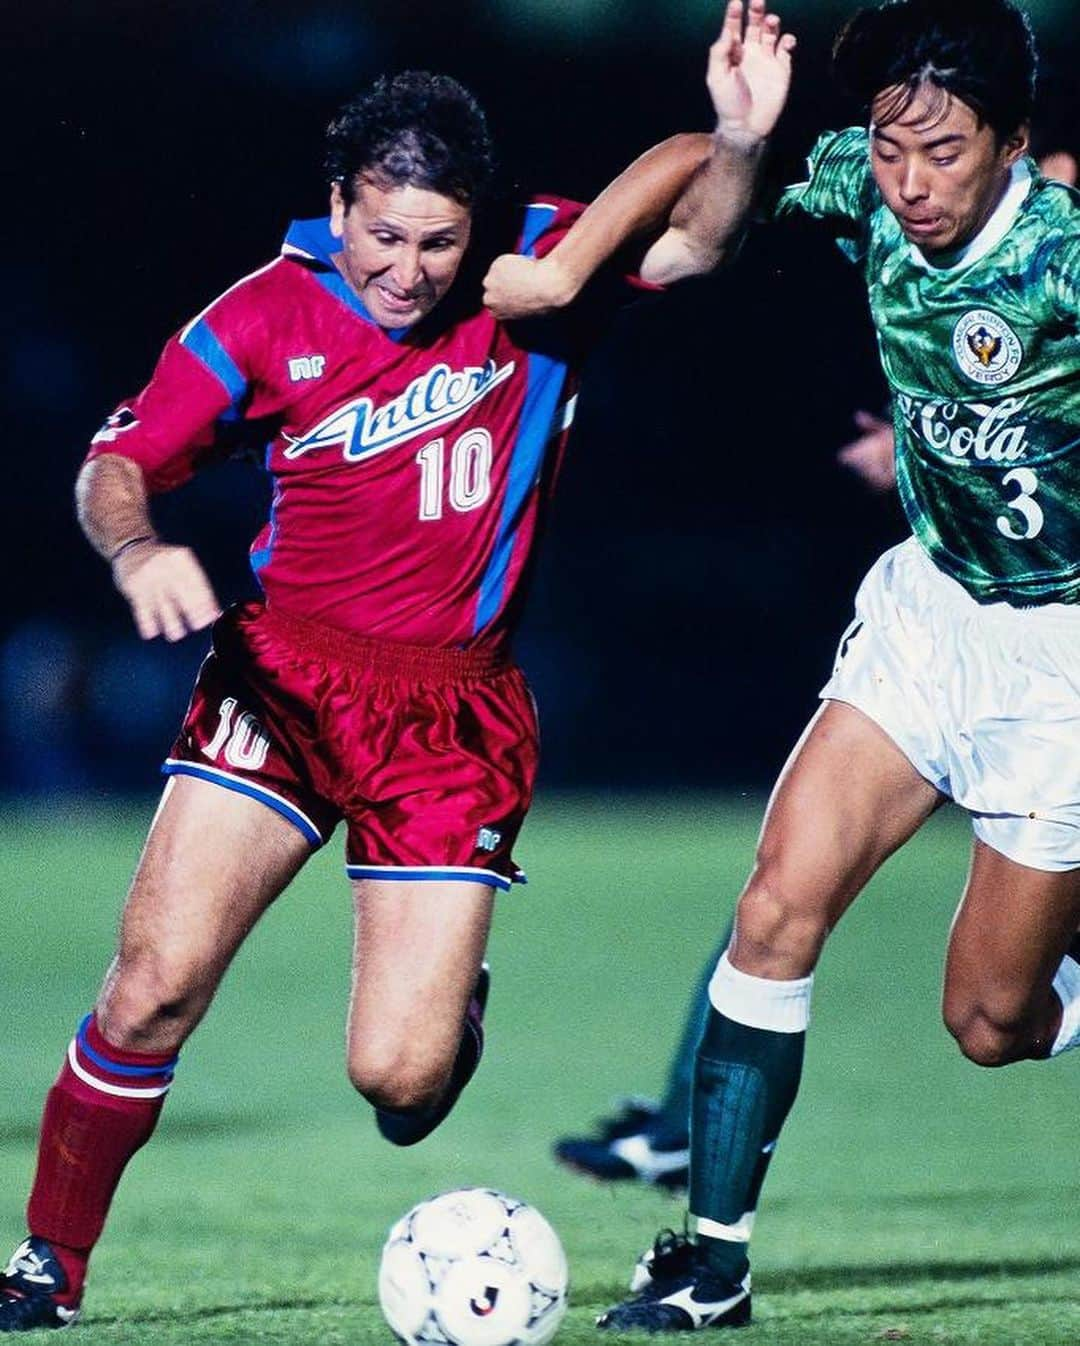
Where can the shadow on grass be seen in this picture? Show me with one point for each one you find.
(901, 1279)
(212, 1311)
(988, 1274)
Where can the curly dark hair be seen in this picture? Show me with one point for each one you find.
(980, 51)
(413, 129)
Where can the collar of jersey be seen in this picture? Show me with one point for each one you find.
(313, 241)
(993, 231)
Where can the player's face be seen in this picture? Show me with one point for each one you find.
(401, 248)
(939, 169)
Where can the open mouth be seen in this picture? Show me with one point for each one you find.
(395, 302)
(922, 226)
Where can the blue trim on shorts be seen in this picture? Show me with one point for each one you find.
(114, 1067)
(395, 873)
(216, 776)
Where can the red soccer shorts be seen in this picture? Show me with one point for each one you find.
(428, 754)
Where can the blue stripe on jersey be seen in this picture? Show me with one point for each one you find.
(394, 873)
(258, 560)
(339, 287)
(544, 384)
(217, 777)
(544, 381)
(204, 345)
(313, 239)
(537, 218)
(114, 1067)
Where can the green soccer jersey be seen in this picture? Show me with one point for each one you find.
(983, 361)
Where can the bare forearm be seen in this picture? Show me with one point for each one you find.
(748, 77)
(165, 586)
(111, 502)
(710, 214)
(637, 202)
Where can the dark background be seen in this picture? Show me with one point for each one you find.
(705, 547)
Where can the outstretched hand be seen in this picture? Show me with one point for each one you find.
(749, 70)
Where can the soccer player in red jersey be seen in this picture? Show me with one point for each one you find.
(415, 440)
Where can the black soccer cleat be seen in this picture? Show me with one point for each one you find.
(30, 1287)
(633, 1145)
(676, 1292)
(410, 1128)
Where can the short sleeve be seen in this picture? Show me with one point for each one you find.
(839, 189)
(201, 385)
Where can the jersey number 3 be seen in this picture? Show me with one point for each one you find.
(1026, 483)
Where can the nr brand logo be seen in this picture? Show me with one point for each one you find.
(306, 367)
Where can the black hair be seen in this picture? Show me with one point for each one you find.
(412, 130)
(979, 51)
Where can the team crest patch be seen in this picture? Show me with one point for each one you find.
(986, 347)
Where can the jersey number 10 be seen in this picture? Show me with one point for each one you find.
(469, 483)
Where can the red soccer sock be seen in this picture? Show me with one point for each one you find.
(102, 1108)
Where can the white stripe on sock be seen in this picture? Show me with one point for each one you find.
(730, 1233)
(760, 1002)
(117, 1090)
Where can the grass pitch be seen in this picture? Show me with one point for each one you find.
(913, 1197)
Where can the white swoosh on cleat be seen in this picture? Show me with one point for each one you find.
(650, 1163)
(702, 1313)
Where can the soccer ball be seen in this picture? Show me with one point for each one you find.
(473, 1268)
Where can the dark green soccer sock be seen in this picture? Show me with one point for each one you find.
(746, 1079)
(673, 1120)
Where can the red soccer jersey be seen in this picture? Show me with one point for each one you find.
(409, 467)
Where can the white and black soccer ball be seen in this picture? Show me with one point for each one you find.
(473, 1268)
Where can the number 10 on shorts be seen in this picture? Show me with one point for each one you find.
(242, 736)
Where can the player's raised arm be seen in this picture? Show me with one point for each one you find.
(748, 78)
(637, 202)
(165, 586)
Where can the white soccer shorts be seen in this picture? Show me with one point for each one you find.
(983, 700)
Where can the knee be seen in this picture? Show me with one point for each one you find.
(989, 1033)
(394, 1078)
(779, 927)
(151, 1002)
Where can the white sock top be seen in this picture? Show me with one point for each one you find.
(760, 1002)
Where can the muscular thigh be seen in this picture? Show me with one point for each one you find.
(214, 860)
(1011, 931)
(419, 946)
(847, 798)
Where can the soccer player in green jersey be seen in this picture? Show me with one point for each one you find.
(959, 677)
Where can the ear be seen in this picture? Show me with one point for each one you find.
(338, 209)
(1017, 145)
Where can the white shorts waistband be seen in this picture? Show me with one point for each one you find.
(951, 594)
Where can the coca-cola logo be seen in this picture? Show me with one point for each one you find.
(987, 433)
